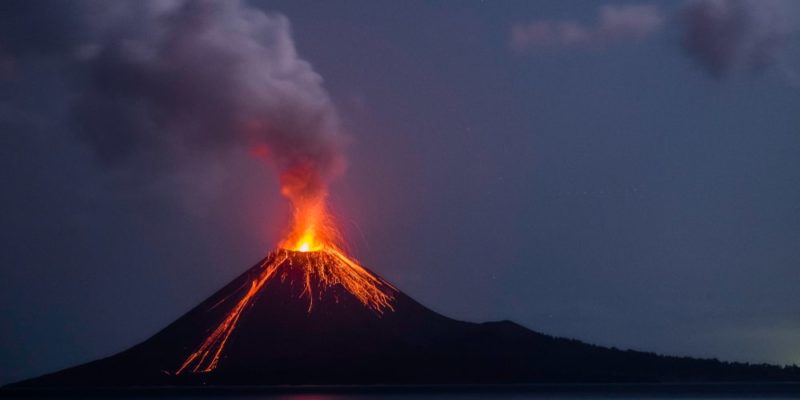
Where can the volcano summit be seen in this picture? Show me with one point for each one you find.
(317, 317)
(308, 314)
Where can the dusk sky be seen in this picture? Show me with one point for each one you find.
(624, 173)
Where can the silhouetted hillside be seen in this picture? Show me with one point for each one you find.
(300, 330)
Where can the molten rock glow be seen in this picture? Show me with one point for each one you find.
(312, 229)
(310, 248)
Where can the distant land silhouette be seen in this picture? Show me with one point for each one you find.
(303, 327)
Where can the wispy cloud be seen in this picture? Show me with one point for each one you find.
(615, 24)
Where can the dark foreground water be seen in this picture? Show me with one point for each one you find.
(554, 392)
(437, 396)
(462, 396)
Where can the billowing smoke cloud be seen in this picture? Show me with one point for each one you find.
(725, 36)
(160, 80)
(614, 25)
(203, 76)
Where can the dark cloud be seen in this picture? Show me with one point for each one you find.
(615, 24)
(725, 36)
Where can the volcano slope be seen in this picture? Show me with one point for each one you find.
(294, 319)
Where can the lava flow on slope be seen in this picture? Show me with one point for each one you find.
(319, 263)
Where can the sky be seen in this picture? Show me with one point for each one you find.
(624, 173)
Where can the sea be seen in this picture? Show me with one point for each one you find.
(565, 392)
(468, 396)
(438, 396)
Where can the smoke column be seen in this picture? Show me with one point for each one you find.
(159, 81)
(204, 76)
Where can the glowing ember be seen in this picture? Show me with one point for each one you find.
(311, 247)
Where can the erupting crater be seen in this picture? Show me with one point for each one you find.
(311, 266)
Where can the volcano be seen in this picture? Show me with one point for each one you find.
(316, 317)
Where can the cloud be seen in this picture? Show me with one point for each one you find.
(614, 25)
(725, 36)
(161, 81)
(204, 76)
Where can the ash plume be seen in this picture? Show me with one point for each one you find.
(726, 36)
(615, 24)
(205, 75)
(158, 81)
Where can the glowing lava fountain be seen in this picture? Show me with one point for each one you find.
(311, 248)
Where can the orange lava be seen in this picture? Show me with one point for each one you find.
(312, 228)
(323, 263)
(314, 232)
(206, 357)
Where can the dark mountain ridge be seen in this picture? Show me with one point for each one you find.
(304, 328)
